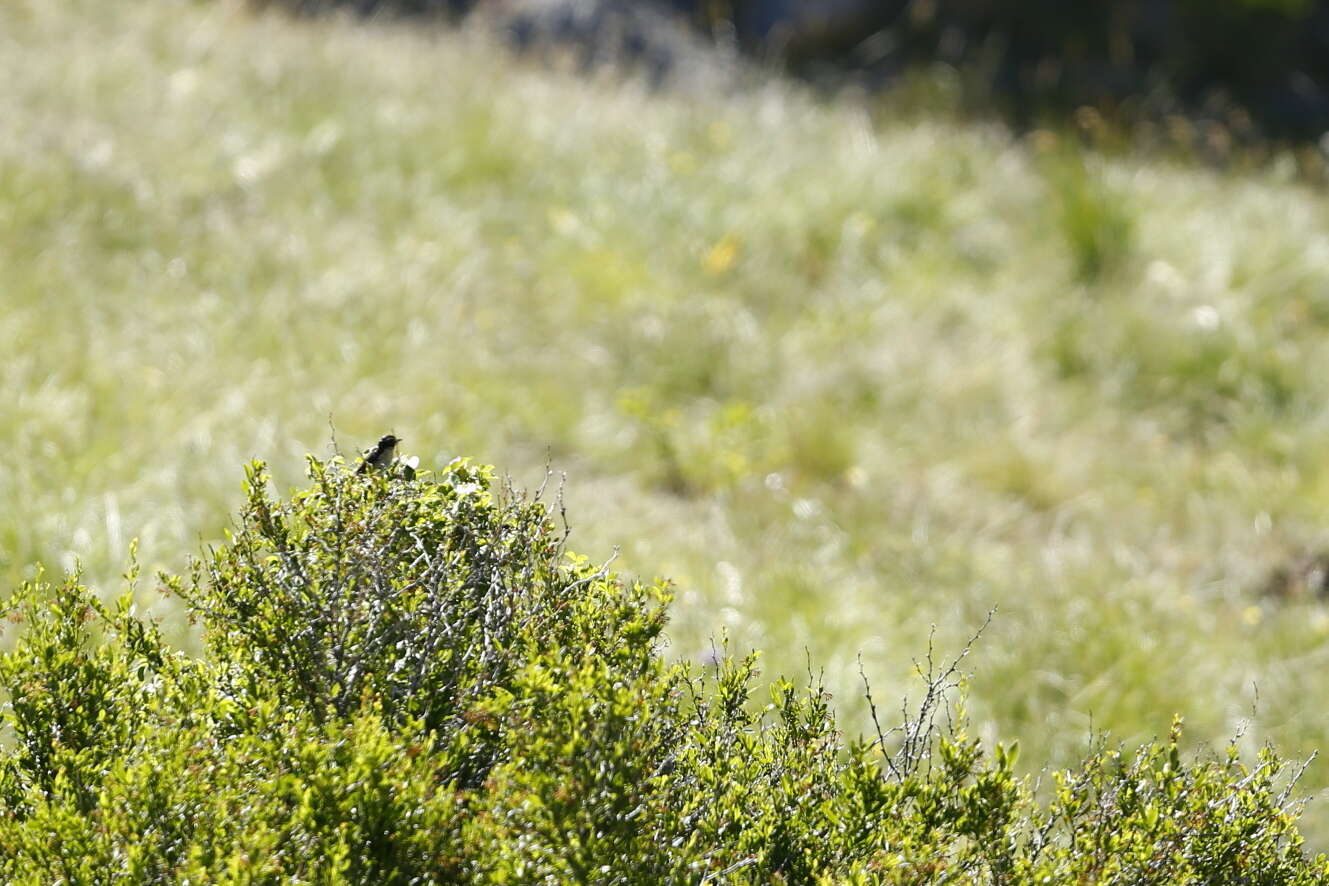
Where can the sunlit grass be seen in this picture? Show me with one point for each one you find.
(842, 378)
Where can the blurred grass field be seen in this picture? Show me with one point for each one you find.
(842, 375)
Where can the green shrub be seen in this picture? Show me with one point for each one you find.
(410, 681)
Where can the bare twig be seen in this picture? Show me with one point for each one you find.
(920, 728)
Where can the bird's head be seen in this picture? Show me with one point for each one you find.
(387, 441)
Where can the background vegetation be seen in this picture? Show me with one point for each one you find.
(1244, 70)
(1243, 67)
(841, 373)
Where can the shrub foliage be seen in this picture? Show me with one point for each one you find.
(411, 681)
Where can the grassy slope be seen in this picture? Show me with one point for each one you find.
(841, 379)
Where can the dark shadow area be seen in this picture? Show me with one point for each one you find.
(1257, 69)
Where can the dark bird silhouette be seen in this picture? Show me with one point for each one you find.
(380, 456)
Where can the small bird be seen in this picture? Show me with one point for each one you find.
(380, 456)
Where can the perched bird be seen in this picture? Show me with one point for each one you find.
(380, 456)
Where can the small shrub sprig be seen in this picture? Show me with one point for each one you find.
(411, 681)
